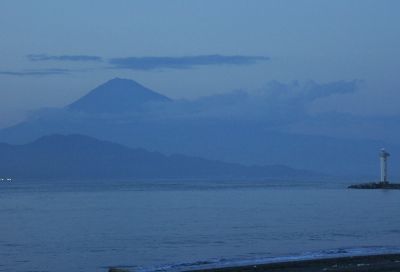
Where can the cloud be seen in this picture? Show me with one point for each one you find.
(76, 58)
(276, 104)
(186, 62)
(142, 63)
(307, 91)
(39, 72)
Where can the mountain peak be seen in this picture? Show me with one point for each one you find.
(121, 82)
(117, 96)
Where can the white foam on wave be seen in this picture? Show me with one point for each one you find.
(322, 254)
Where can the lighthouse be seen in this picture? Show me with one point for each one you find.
(383, 157)
(384, 183)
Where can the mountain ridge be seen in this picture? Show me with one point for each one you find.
(79, 156)
(172, 126)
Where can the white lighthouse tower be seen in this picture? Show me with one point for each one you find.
(383, 156)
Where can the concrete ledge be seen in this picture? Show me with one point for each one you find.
(376, 185)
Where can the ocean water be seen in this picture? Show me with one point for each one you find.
(183, 225)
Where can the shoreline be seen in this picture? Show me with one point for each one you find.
(365, 263)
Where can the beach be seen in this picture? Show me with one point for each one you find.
(370, 263)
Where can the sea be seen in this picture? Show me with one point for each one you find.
(180, 225)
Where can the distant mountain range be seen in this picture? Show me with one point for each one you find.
(217, 128)
(80, 157)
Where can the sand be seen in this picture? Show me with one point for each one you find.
(371, 263)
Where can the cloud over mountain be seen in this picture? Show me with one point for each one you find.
(76, 58)
(185, 62)
(36, 72)
(276, 103)
(148, 63)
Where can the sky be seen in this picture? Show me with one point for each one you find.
(53, 52)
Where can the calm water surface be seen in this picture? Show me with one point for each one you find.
(145, 226)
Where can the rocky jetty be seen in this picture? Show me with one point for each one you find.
(114, 269)
(376, 185)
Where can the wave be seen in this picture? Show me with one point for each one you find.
(306, 256)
